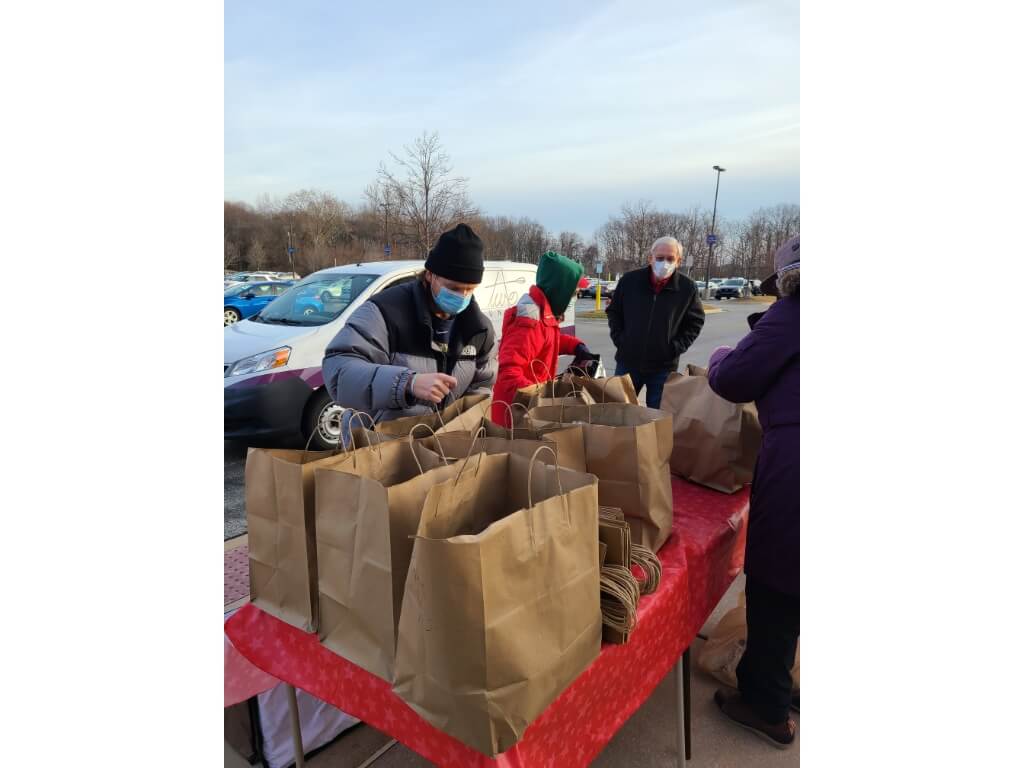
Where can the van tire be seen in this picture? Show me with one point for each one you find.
(318, 403)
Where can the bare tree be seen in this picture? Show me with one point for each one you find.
(429, 198)
(232, 257)
(382, 201)
(570, 244)
(319, 218)
(257, 255)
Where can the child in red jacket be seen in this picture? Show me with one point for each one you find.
(531, 340)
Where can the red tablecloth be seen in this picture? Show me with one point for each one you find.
(699, 562)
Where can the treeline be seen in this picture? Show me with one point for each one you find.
(744, 247)
(416, 197)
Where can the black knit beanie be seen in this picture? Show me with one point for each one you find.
(458, 255)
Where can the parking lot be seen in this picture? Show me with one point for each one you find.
(725, 327)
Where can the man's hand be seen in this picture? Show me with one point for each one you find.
(432, 387)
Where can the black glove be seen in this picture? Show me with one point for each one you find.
(583, 353)
(585, 361)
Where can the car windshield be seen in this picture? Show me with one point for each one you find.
(316, 301)
(737, 283)
(236, 290)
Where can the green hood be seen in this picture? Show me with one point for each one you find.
(558, 277)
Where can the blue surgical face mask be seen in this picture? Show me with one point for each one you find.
(450, 302)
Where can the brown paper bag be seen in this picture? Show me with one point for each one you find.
(501, 608)
(279, 510)
(459, 416)
(569, 439)
(552, 392)
(367, 508)
(714, 442)
(722, 651)
(614, 534)
(628, 448)
(456, 445)
(612, 389)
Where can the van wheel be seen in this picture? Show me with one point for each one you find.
(322, 421)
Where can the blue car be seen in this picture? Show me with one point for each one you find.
(246, 299)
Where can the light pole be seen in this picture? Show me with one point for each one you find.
(711, 241)
(291, 257)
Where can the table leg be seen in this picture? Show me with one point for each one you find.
(681, 730)
(687, 701)
(293, 708)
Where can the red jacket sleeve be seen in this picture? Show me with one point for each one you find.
(567, 344)
(520, 342)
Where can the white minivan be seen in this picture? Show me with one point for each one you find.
(273, 382)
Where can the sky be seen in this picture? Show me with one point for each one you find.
(559, 111)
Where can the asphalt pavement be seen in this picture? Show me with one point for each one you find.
(723, 328)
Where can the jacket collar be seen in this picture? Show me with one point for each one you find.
(545, 308)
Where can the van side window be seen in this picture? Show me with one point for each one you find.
(399, 281)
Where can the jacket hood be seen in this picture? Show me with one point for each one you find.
(558, 277)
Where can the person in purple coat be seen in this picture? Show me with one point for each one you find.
(765, 368)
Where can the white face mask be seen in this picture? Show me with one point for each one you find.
(663, 269)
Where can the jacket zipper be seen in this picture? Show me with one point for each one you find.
(650, 319)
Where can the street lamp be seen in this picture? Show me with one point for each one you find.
(711, 239)
(291, 251)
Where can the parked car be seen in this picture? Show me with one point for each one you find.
(273, 383)
(246, 299)
(755, 287)
(608, 288)
(587, 291)
(250, 277)
(731, 288)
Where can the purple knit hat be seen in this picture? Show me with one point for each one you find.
(787, 257)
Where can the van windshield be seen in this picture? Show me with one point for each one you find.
(315, 301)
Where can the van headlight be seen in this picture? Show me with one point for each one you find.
(264, 361)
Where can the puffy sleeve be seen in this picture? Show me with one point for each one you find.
(745, 373)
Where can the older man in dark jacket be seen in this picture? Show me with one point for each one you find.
(654, 317)
(765, 367)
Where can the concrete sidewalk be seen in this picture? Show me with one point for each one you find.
(647, 739)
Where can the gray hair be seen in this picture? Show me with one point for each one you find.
(668, 240)
(789, 283)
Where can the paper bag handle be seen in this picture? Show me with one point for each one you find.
(479, 431)
(511, 417)
(533, 370)
(437, 412)
(412, 447)
(340, 447)
(362, 423)
(582, 374)
(558, 477)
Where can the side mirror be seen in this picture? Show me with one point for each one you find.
(249, 295)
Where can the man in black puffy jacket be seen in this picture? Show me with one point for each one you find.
(654, 317)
